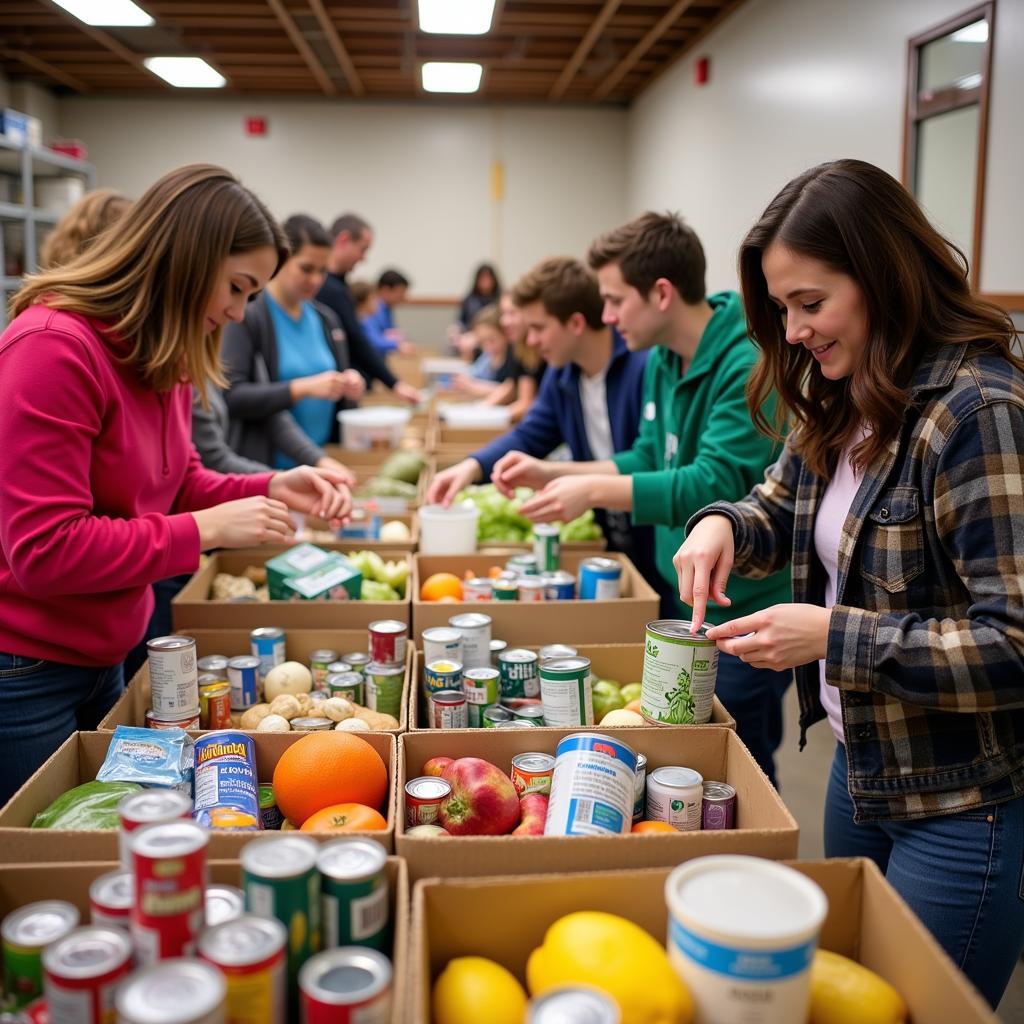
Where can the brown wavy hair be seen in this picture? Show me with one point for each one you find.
(151, 280)
(78, 228)
(859, 221)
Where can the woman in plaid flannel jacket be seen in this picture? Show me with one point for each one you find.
(904, 394)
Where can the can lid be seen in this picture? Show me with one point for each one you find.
(441, 634)
(170, 643)
(534, 762)
(444, 666)
(577, 1003)
(378, 668)
(470, 620)
(247, 939)
(171, 991)
(388, 626)
(40, 923)
(273, 632)
(279, 856)
(245, 661)
(498, 645)
(154, 805)
(177, 716)
(168, 839)
(569, 666)
(448, 697)
(345, 976)
(223, 903)
(356, 658)
(428, 787)
(676, 776)
(602, 564)
(114, 891)
(718, 791)
(518, 654)
(324, 654)
(87, 952)
(312, 722)
(680, 628)
(212, 661)
(484, 672)
(351, 859)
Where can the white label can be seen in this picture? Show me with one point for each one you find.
(566, 693)
(676, 796)
(442, 643)
(173, 677)
(476, 638)
(678, 684)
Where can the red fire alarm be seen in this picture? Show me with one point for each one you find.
(256, 126)
(701, 71)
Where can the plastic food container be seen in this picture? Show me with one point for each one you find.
(475, 416)
(448, 531)
(742, 934)
(376, 426)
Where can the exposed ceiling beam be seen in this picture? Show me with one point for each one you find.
(625, 65)
(305, 50)
(103, 38)
(586, 45)
(46, 68)
(341, 55)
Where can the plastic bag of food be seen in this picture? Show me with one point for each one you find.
(90, 805)
(159, 758)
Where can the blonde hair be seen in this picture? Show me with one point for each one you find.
(78, 228)
(150, 281)
(489, 316)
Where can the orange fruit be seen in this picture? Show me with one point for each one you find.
(494, 572)
(344, 818)
(441, 584)
(326, 768)
(646, 827)
(634, 705)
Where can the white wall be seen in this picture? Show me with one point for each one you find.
(419, 173)
(797, 82)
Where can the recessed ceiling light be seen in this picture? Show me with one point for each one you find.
(454, 76)
(977, 32)
(186, 72)
(456, 17)
(107, 12)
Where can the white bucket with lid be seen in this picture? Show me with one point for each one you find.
(742, 933)
(373, 427)
(448, 531)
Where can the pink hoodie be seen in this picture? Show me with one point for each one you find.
(97, 478)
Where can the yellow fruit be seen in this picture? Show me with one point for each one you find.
(617, 956)
(844, 992)
(472, 989)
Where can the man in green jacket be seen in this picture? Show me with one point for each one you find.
(696, 443)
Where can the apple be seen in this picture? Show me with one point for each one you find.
(426, 830)
(630, 692)
(483, 801)
(534, 811)
(621, 717)
(437, 765)
(607, 697)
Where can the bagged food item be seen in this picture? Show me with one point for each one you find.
(160, 758)
(90, 805)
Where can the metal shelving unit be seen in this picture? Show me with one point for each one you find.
(31, 162)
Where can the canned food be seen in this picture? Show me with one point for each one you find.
(215, 706)
(592, 787)
(640, 801)
(423, 799)
(346, 984)
(388, 641)
(495, 716)
(197, 992)
(82, 971)
(110, 900)
(215, 665)
(531, 773)
(268, 644)
(482, 687)
(680, 668)
(523, 565)
(226, 786)
(223, 903)
(718, 806)
(384, 685)
(506, 588)
(319, 662)
(497, 647)
(149, 807)
(350, 685)
(549, 651)
(530, 589)
(575, 1005)
(442, 643)
(357, 661)
(559, 586)
(517, 723)
(448, 710)
(173, 679)
(26, 933)
(547, 548)
(600, 579)
(479, 588)
(441, 675)
(243, 675)
(250, 952)
(338, 666)
(475, 628)
(308, 723)
(518, 668)
(566, 692)
(675, 795)
(169, 864)
(356, 907)
(188, 722)
(533, 714)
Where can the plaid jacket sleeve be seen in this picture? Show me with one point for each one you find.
(973, 663)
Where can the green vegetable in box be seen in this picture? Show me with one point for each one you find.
(500, 521)
(91, 805)
(382, 487)
(403, 465)
(386, 581)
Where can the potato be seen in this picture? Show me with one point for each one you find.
(288, 677)
(337, 709)
(252, 717)
(274, 723)
(304, 703)
(286, 706)
(621, 717)
(376, 719)
(353, 725)
(225, 587)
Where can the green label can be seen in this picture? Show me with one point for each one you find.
(532, 714)
(518, 668)
(26, 933)
(680, 668)
(357, 661)
(384, 685)
(482, 687)
(495, 716)
(271, 817)
(565, 692)
(506, 588)
(356, 906)
(349, 685)
(547, 548)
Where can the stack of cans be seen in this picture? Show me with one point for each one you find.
(174, 683)
(384, 676)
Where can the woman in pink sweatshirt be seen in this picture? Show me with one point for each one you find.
(101, 490)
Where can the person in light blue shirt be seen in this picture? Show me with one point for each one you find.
(376, 309)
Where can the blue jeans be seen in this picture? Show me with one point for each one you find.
(41, 704)
(962, 874)
(753, 696)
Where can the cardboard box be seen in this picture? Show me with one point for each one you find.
(192, 608)
(21, 884)
(867, 921)
(546, 622)
(622, 662)
(764, 826)
(366, 464)
(133, 704)
(319, 532)
(78, 760)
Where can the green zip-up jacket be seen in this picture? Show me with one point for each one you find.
(697, 445)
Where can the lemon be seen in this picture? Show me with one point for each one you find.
(845, 992)
(473, 989)
(617, 956)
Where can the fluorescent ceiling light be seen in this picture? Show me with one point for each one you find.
(456, 17)
(974, 33)
(456, 76)
(186, 72)
(107, 12)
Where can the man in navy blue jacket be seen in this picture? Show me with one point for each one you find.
(589, 399)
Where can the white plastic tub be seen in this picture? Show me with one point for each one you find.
(448, 531)
(475, 416)
(375, 426)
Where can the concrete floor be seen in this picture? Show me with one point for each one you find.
(802, 777)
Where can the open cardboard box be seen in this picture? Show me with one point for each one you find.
(866, 921)
(622, 662)
(193, 608)
(764, 826)
(366, 464)
(545, 622)
(78, 760)
(136, 700)
(319, 532)
(21, 884)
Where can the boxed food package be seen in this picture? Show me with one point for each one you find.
(299, 560)
(337, 580)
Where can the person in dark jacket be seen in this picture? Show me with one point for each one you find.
(486, 291)
(289, 354)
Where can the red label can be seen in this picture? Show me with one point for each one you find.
(215, 706)
(423, 798)
(348, 985)
(387, 641)
(531, 773)
(81, 972)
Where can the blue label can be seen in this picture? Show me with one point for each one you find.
(600, 579)
(244, 677)
(267, 644)
(442, 675)
(227, 793)
(558, 586)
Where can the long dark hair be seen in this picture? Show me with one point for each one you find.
(859, 221)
